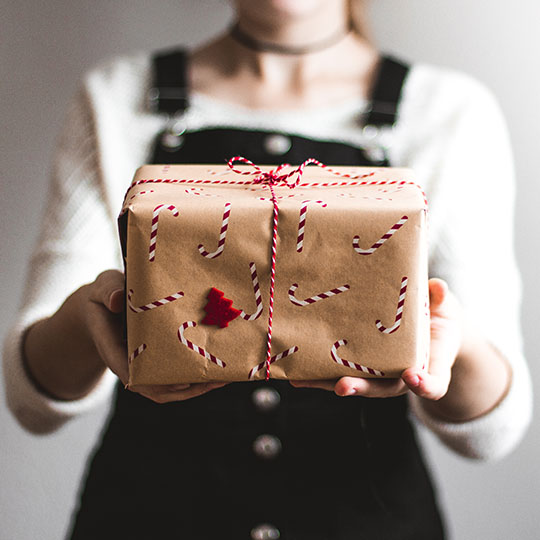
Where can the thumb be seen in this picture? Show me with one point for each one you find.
(438, 292)
(108, 289)
(116, 300)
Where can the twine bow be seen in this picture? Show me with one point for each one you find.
(270, 179)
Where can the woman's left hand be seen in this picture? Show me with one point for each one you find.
(431, 383)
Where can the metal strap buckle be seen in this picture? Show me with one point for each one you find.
(167, 96)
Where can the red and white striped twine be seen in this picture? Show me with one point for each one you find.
(381, 240)
(345, 183)
(399, 312)
(136, 352)
(317, 297)
(346, 363)
(302, 222)
(257, 291)
(153, 232)
(272, 281)
(196, 348)
(351, 179)
(154, 304)
(262, 177)
(274, 358)
(222, 235)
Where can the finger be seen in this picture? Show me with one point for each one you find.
(376, 388)
(445, 341)
(355, 386)
(117, 300)
(177, 387)
(165, 395)
(438, 291)
(442, 303)
(433, 382)
(322, 384)
(106, 332)
(159, 388)
(426, 385)
(108, 289)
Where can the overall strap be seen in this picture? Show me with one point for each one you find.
(387, 92)
(170, 91)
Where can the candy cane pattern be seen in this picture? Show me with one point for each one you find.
(222, 235)
(136, 352)
(196, 348)
(218, 173)
(317, 297)
(195, 191)
(399, 312)
(257, 291)
(381, 240)
(152, 305)
(125, 208)
(153, 232)
(302, 222)
(346, 363)
(281, 197)
(351, 196)
(391, 191)
(274, 358)
(140, 193)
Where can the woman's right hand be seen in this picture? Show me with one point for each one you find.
(105, 305)
(66, 354)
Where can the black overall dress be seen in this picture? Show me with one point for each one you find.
(259, 460)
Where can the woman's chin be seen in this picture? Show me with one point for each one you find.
(291, 8)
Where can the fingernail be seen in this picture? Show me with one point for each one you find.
(414, 380)
(351, 392)
(178, 387)
(116, 291)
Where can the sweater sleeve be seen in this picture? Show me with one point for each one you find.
(77, 241)
(472, 233)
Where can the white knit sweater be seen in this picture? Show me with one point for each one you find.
(450, 131)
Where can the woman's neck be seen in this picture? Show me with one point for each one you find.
(292, 25)
(230, 70)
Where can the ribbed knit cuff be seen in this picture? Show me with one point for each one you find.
(36, 411)
(494, 434)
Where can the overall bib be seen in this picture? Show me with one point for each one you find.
(259, 460)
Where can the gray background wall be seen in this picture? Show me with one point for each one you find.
(46, 46)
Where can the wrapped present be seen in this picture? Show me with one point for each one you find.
(236, 273)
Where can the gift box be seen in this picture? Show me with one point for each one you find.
(345, 267)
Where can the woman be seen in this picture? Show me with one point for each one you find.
(266, 460)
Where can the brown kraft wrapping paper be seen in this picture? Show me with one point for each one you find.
(360, 275)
